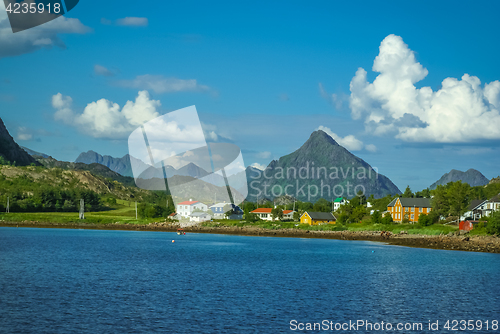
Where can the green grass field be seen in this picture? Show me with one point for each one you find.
(121, 212)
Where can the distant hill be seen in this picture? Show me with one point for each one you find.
(94, 168)
(471, 176)
(11, 151)
(123, 165)
(319, 151)
(120, 165)
(35, 153)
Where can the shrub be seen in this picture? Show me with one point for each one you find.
(493, 226)
(424, 220)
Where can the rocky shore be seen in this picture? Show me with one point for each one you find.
(453, 241)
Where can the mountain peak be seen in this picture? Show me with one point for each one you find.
(11, 151)
(320, 135)
(472, 176)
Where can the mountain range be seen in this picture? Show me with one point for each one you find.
(123, 165)
(472, 177)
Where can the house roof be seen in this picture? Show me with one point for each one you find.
(172, 214)
(285, 212)
(409, 201)
(187, 203)
(475, 203)
(495, 198)
(198, 214)
(338, 199)
(321, 215)
(217, 205)
(262, 210)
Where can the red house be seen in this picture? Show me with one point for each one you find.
(467, 225)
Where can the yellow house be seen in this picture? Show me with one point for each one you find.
(315, 218)
(410, 208)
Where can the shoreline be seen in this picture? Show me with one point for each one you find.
(486, 244)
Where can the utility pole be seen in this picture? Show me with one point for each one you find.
(82, 209)
(7, 209)
(135, 210)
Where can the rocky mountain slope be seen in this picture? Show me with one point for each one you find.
(11, 151)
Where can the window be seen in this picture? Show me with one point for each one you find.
(413, 209)
(412, 217)
(406, 209)
(420, 210)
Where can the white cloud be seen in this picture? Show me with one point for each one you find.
(105, 119)
(461, 111)
(101, 70)
(132, 21)
(42, 36)
(371, 148)
(350, 142)
(258, 166)
(23, 133)
(264, 155)
(160, 84)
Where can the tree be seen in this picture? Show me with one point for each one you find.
(362, 197)
(296, 216)
(277, 213)
(458, 197)
(342, 219)
(493, 226)
(408, 193)
(424, 220)
(434, 217)
(440, 201)
(387, 219)
(376, 217)
(322, 205)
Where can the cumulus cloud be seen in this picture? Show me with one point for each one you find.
(101, 70)
(42, 36)
(160, 84)
(350, 142)
(460, 111)
(258, 166)
(133, 21)
(105, 119)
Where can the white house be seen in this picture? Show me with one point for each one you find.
(186, 208)
(482, 208)
(264, 213)
(288, 214)
(338, 202)
(199, 217)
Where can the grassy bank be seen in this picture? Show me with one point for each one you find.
(123, 212)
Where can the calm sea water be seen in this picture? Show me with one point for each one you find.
(86, 281)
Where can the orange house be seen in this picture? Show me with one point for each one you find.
(410, 208)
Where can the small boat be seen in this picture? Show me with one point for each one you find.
(180, 231)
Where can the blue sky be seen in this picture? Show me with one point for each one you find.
(263, 75)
